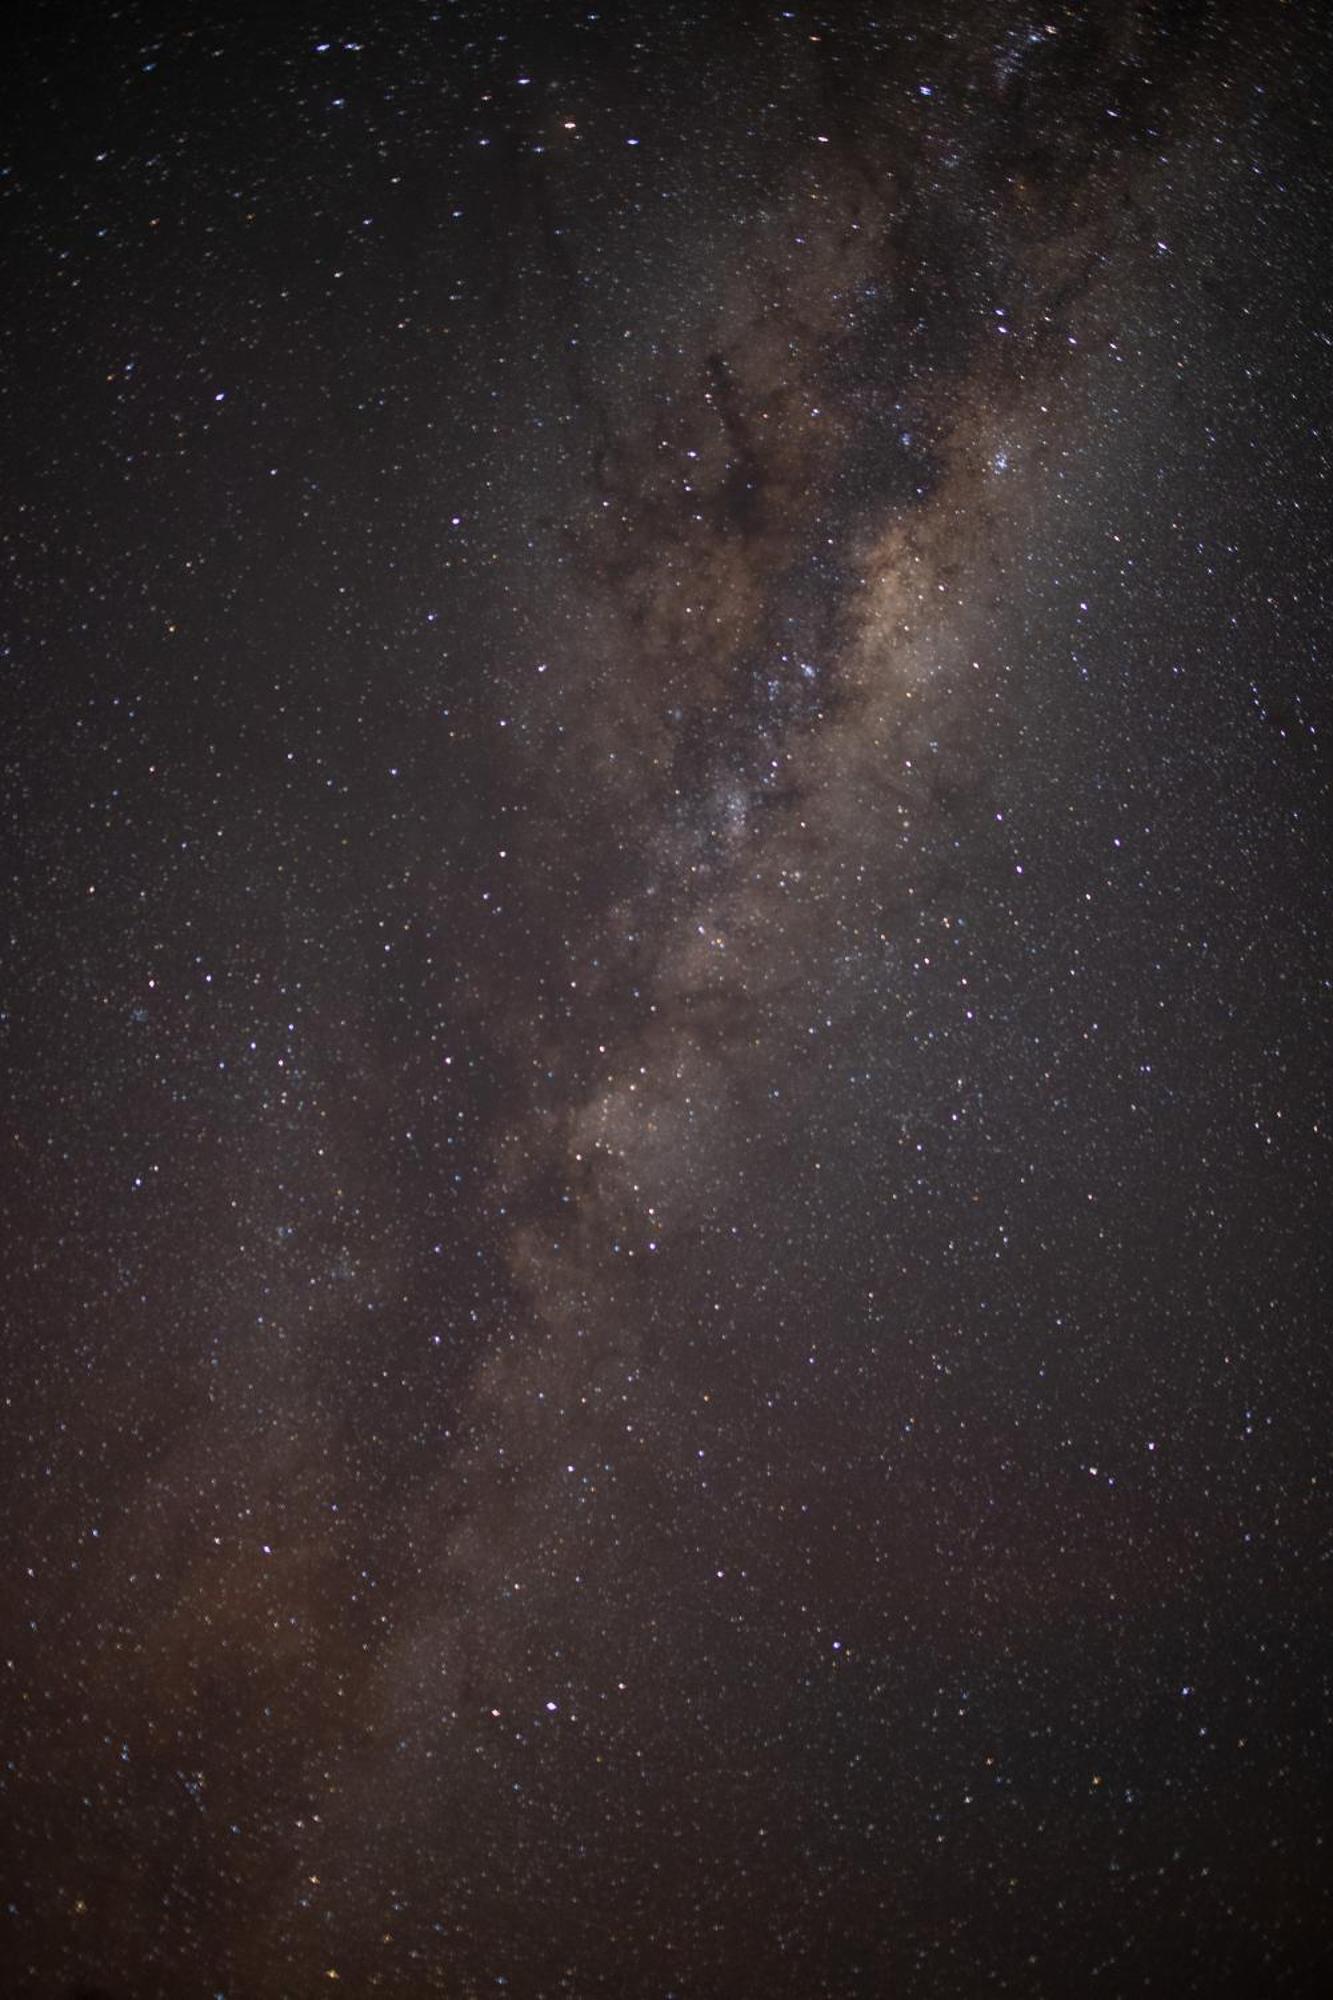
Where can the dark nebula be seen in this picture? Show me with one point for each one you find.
(666, 1009)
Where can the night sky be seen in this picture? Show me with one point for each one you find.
(665, 1001)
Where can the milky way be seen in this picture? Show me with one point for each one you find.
(665, 1005)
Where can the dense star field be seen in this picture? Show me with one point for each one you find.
(666, 1001)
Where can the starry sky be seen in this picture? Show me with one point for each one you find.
(665, 1001)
